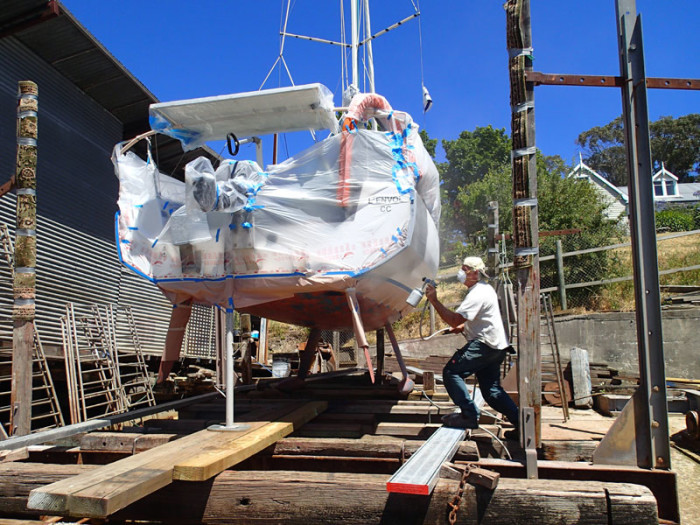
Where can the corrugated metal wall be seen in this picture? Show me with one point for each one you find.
(76, 203)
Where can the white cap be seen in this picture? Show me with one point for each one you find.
(475, 263)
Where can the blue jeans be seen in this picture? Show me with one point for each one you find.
(478, 358)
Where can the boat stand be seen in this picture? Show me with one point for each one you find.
(229, 425)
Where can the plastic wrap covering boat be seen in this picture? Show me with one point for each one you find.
(345, 229)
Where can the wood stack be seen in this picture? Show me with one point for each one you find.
(318, 455)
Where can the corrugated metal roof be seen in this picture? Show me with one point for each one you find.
(48, 29)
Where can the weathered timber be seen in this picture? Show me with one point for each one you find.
(661, 483)
(128, 442)
(375, 447)
(24, 285)
(581, 378)
(14, 455)
(525, 209)
(245, 497)
(112, 487)
(18, 479)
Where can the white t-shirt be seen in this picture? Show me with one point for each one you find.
(483, 316)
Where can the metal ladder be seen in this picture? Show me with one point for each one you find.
(133, 372)
(46, 411)
(91, 372)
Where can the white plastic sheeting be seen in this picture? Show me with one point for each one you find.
(240, 236)
(256, 113)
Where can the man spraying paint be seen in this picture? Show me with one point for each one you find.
(479, 319)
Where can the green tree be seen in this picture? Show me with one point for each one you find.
(472, 156)
(604, 148)
(674, 141)
(430, 144)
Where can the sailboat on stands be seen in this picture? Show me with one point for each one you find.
(336, 236)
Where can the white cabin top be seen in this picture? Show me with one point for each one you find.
(254, 113)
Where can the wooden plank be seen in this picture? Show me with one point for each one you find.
(213, 460)
(55, 498)
(112, 487)
(116, 492)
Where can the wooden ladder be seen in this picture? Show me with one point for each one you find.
(46, 411)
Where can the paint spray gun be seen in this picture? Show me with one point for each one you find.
(417, 294)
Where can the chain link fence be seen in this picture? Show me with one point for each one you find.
(600, 278)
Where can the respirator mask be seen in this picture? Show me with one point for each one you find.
(462, 276)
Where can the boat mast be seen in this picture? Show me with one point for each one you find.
(355, 42)
(370, 56)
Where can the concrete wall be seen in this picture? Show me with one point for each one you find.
(610, 338)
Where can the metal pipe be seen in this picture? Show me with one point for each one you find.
(229, 368)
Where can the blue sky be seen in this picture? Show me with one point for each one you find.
(183, 49)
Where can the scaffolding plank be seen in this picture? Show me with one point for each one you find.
(420, 473)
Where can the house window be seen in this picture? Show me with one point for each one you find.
(671, 187)
(658, 188)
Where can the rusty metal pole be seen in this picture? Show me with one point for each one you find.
(25, 260)
(525, 224)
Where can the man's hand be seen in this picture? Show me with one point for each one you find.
(430, 293)
(457, 329)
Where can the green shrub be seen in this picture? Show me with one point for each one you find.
(675, 220)
(696, 218)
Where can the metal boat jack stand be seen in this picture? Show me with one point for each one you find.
(359, 329)
(406, 385)
(229, 426)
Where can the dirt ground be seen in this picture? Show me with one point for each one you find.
(686, 464)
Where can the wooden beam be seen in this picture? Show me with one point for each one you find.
(108, 489)
(525, 209)
(225, 453)
(352, 499)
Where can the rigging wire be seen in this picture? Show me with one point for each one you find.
(416, 7)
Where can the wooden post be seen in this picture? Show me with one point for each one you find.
(560, 275)
(525, 223)
(492, 259)
(25, 260)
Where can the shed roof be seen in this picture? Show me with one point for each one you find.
(49, 30)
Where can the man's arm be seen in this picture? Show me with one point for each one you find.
(451, 318)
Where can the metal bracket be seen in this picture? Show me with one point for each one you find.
(527, 416)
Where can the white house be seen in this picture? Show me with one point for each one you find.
(667, 190)
(617, 200)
